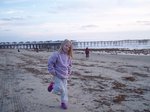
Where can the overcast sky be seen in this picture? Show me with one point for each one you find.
(81, 20)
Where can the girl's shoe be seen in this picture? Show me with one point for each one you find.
(50, 87)
(64, 106)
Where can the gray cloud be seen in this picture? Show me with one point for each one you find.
(89, 26)
(13, 1)
(12, 19)
(143, 22)
(7, 30)
(71, 6)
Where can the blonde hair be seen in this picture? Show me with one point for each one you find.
(70, 52)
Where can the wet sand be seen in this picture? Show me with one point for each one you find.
(102, 83)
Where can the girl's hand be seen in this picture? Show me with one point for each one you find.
(53, 73)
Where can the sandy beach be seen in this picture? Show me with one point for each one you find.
(102, 83)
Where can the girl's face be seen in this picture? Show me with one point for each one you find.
(66, 47)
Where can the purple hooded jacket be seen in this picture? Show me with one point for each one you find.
(59, 64)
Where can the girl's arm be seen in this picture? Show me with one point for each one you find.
(70, 67)
(51, 63)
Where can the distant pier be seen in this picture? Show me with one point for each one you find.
(123, 44)
(30, 45)
(129, 44)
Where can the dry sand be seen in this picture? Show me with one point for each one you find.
(102, 83)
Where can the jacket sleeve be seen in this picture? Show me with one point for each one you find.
(70, 67)
(51, 63)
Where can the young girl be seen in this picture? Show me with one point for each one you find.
(59, 65)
